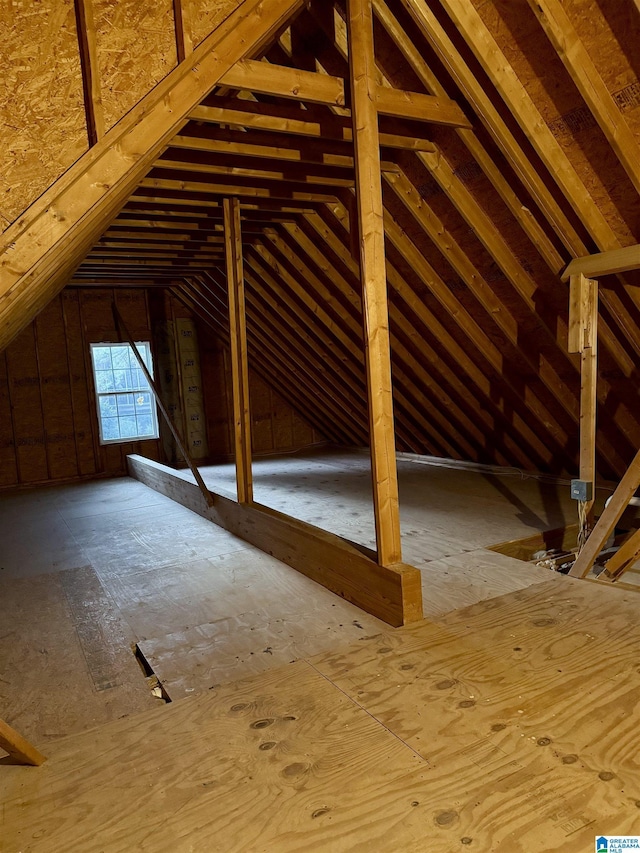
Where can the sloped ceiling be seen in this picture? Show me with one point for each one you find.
(480, 222)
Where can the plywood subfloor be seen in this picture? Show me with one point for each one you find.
(510, 727)
(87, 571)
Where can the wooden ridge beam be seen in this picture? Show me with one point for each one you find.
(36, 251)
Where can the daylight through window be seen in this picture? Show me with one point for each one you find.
(126, 407)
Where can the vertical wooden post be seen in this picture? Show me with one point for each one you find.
(238, 340)
(374, 280)
(583, 338)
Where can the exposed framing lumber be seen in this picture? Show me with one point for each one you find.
(392, 593)
(576, 59)
(605, 263)
(184, 45)
(87, 42)
(281, 81)
(125, 334)
(310, 123)
(19, 748)
(374, 281)
(583, 338)
(608, 520)
(624, 558)
(43, 247)
(521, 212)
(239, 356)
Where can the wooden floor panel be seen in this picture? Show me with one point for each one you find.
(510, 726)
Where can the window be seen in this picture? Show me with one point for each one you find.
(126, 407)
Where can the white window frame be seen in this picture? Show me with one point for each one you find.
(141, 388)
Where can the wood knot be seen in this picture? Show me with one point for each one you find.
(446, 818)
(261, 724)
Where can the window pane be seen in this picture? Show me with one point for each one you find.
(122, 380)
(126, 407)
(104, 381)
(145, 424)
(128, 427)
(120, 356)
(110, 429)
(108, 407)
(101, 358)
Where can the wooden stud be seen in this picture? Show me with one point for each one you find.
(184, 45)
(374, 282)
(87, 41)
(238, 340)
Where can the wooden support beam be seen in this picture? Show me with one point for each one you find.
(19, 748)
(310, 123)
(239, 357)
(41, 249)
(392, 593)
(280, 81)
(626, 555)
(184, 45)
(605, 263)
(577, 60)
(374, 281)
(310, 86)
(417, 107)
(583, 338)
(608, 520)
(124, 333)
(91, 88)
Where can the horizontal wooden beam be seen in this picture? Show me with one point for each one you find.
(417, 107)
(283, 82)
(391, 593)
(605, 263)
(312, 87)
(245, 114)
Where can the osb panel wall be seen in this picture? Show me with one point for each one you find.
(201, 16)
(275, 426)
(48, 421)
(42, 115)
(561, 106)
(42, 123)
(136, 49)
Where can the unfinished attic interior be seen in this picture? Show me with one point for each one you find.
(319, 425)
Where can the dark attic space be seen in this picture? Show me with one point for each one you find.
(319, 426)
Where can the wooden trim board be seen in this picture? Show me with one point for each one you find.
(392, 593)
